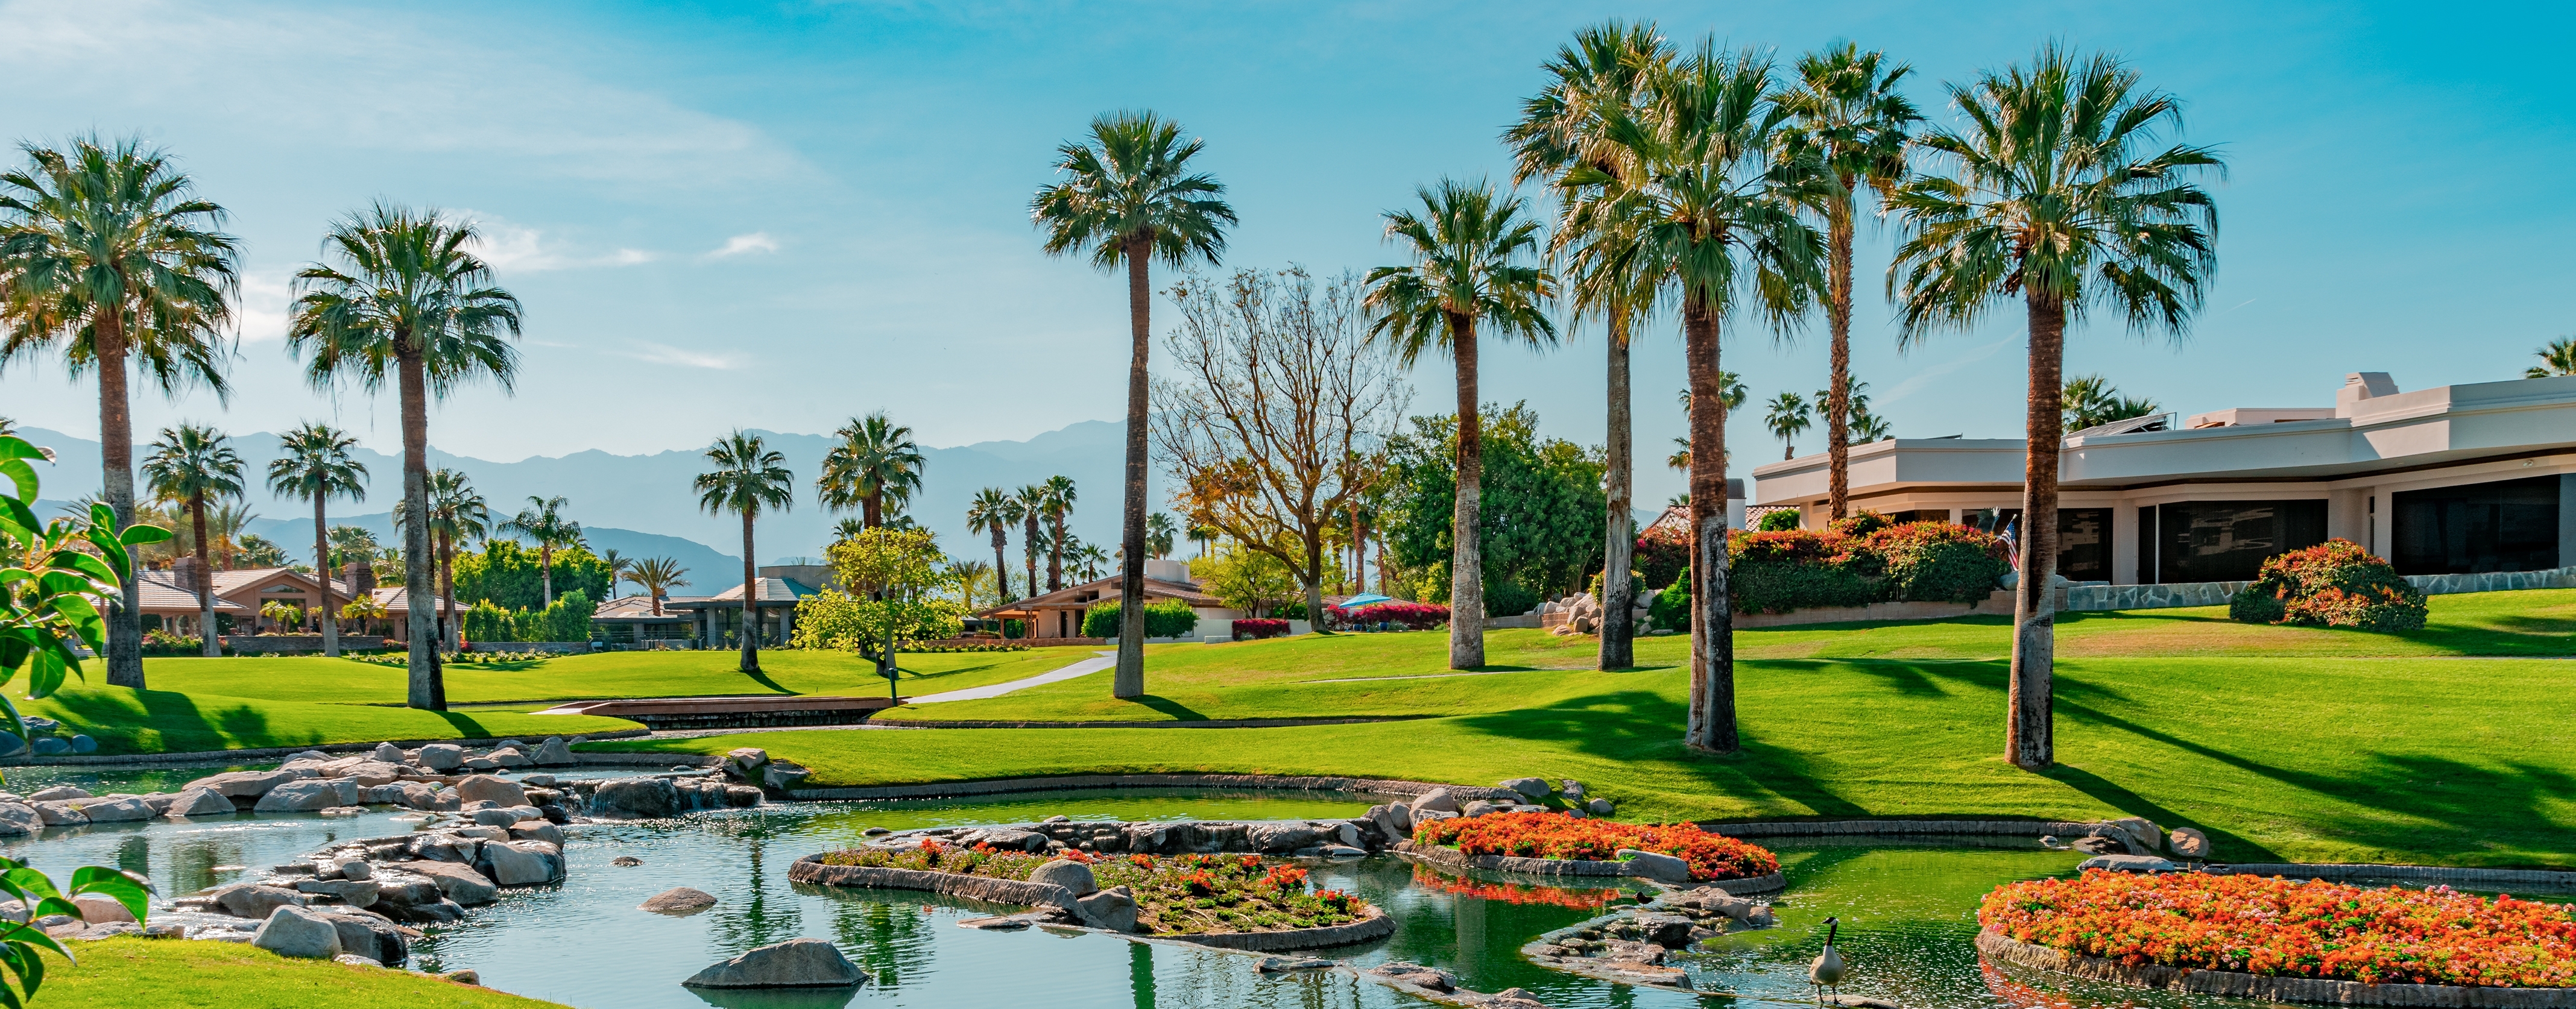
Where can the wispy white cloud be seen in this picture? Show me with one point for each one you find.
(758, 241)
(264, 301)
(658, 353)
(515, 248)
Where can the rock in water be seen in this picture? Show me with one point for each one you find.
(636, 798)
(199, 802)
(523, 863)
(18, 818)
(625, 860)
(57, 793)
(796, 963)
(294, 931)
(1113, 909)
(486, 788)
(301, 796)
(442, 757)
(1437, 800)
(1065, 873)
(100, 909)
(554, 752)
(681, 900)
(257, 901)
(458, 883)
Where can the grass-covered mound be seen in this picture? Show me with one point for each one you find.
(1558, 836)
(132, 973)
(1182, 895)
(2281, 928)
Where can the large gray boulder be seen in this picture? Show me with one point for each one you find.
(200, 802)
(245, 784)
(746, 762)
(1281, 838)
(1065, 873)
(522, 863)
(370, 936)
(458, 883)
(2188, 843)
(2129, 863)
(371, 772)
(60, 814)
(537, 830)
(57, 793)
(100, 909)
(389, 753)
(678, 901)
(554, 752)
(353, 892)
(310, 796)
(1113, 909)
(114, 808)
(1437, 800)
(796, 963)
(1535, 788)
(441, 757)
(256, 900)
(1656, 865)
(635, 799)
(486, 788)
(18, 818)
(296, 932)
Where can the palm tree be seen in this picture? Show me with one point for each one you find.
(543, 520)
(1845, 107)
(1092, 558)
(315, 463)
(2090, 401)
(994, 511)
(849, 527)
(1055, 501)
(1129, 197)
(2558, 358)
(1159, 532)
(1468, 244)
(107, 254)
(351, 544)
(617, 564)
(748, 479)
(1560, 127)
(1867, 428)
(657, 576)
(1031, 499)
(1788, 418)
(410, 303)
(2059, 194)
(193, 464)
(875, 464)
(457, 513)
(968, 572)
(1719, 199)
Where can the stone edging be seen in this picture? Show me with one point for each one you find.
(272, 752)
(810, 869)
(1453, 858)
(2409, 873)
(1216, 723)
(2274, 989)
(992, 786)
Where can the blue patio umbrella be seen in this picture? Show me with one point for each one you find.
(1363, 599)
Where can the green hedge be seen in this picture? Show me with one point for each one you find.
(1861, 560)
(1169, 618)
(567, 620)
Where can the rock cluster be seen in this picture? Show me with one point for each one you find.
(1575, 614)
(431, 778)
(47, 740)
(1630, 945)
(2137, 836)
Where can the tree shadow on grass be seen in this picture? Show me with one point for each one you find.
(1641, 726)
(178, 721)
(763, 679)
(1168, 706)
(2235, 847)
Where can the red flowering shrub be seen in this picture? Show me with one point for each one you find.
(1418, 616)
(1861, 561)
(1556, 835)
(2280, 927)
(2333, 584)
(1259, 627)
(1662, 557)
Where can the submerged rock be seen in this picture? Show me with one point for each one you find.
(678, 900)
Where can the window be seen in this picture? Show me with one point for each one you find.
(2227, 541)
(2084, 544)
(1920, 515)
(2508, 525)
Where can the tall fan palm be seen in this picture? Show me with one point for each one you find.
(1787, 418)
(1032, 498)
(1159, 531)
(543, 520)
(457, 513)
(315, 463)
(748, 479)
(1129, 197)
(1469, 245)
(849, 528)
(2557, 358)
(193, 464)
(107, 254)
(1055, 501)
(1845, 106)
(617, 564)
(1720, 200)
(2058, 194)
(406, 301)
(657, 576)
(1602, 71)
(875, 464)
(969, 573)
(995, 511)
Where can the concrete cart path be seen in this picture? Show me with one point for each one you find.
(1085, 667)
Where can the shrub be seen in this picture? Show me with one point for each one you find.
(2332, 584)
(1939, 561)
(1663, 555)
(1556, 835)
(1860, 523)
(1416, 616)
(1775, 572)
(1169, 618)
(1780, 520)
(2284, 928)
(1671, 610)
(1258, 628)
(1508, 599)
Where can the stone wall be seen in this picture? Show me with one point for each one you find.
(289, 644)
(2150, 597)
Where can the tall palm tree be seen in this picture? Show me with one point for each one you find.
(543, 520)
(1130, 196)
(107, 254)
(968, 572)
(1055, 500)
(2090, 400)
(193, 464)
(748, 479)
(1602, 70)
(405, 300)
(1787, 418)
(1092, 559)
(1469, 246)
(875, 464)
(995, 511)
(2558, 358)
(1720, 200)
(315, 463)
(657, 576)
(1159, 530)
(2058, 193)
(1032, 500)
(849, 528)
(1845, 106)
(457, 513)
(617, 564)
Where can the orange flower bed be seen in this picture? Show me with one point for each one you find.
(1556, 835)
(2278, 927)
(1514, 893)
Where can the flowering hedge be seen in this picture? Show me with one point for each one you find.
(2333, 584)
(1187, 894)
(1418, 616)
(1259, 627)
(1861, 561)
(2274, 926)
(1556, 835)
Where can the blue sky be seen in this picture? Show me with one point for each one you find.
(780, 215)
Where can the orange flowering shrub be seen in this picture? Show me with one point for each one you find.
(1513, 893)
(2333, 584)
(1556, 835)
(2274, 926)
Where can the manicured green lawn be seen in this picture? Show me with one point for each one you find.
(605, 675)
(166, 721)
(160, 973)
(2536, 622)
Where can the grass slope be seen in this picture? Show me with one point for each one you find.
(604, 675)
(167, 721)
(155, 974)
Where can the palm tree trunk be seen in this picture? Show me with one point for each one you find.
(1466, 559)
(546, 569)
(1029, 550)
(750, 600)
(1001, 568)
(428, 686)
(1129, 681)
(1055, 551)
(1712, 700)
(116, 454)
(322, 568)
(1359, 551)
(213, 645)
(1838, 306)
(872, 511)
(447, 624)
(2029, 734)
(1619, 535)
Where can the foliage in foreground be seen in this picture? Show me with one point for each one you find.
(2275, 926)
(2333, 584)
(1556, 835)
(1182, 895)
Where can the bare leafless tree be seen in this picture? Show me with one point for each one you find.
(1280, 413)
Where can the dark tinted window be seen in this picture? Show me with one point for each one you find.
(2509, 525)
(2084, 544)
(2227, 541)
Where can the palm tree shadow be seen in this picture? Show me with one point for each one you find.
(1176, 709)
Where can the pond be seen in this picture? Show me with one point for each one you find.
(1907, 913)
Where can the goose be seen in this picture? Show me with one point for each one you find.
(1827, 971)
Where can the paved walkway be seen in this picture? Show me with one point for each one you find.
(1085, 667)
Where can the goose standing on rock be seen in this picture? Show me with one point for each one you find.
(1827, 971)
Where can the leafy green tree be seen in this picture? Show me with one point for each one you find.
(875, 465)
(543, 520)
(192, 464)
(406, 301)
(748, 479)
(2056, 192)
(1253, 582)
(900, 588)
(1131, 196)
(1787, 418)
(1468, 245)
(2558, 358)
(508, 574)
(315, 462)
(1541, 507)
(995, 511)
(108, 255)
